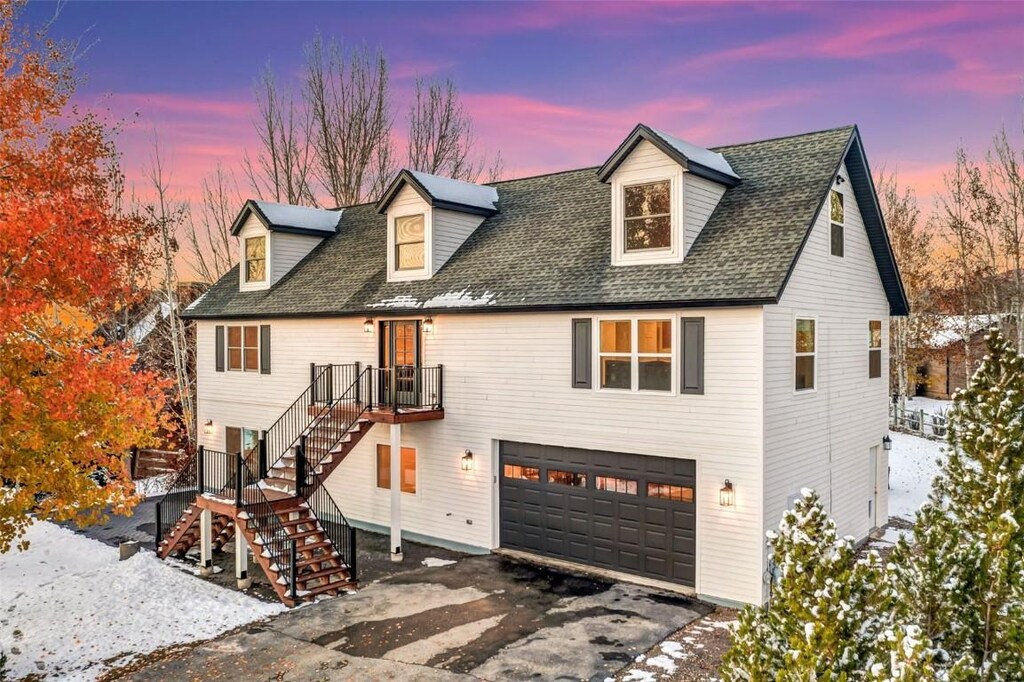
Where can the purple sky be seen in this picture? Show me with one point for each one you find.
(558, 85)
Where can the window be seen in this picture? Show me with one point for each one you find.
(615, 485)
(573, 478)
(647, 218)
(805, 354)
(409, 245)
(521, 472)
(240, 439)
(408, 475)
(664, 491)
(244, 348)
(256, 259)
(636, 354)
(874, 349)
(837, 215)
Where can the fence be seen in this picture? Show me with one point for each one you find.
(918, 422)
(147, 462)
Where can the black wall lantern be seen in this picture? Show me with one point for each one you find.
(887, 443)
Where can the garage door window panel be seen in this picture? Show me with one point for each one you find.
(664, 491)
(573, 478)
(515, 471)
(615, 485)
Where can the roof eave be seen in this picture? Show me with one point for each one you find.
(643, 132)
(405, 176)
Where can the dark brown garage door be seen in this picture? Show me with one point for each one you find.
(618, 511)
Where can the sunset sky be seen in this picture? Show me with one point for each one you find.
(558, 85)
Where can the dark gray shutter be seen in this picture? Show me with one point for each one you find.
(219, 334)
(693, 355)
(581, 355)
(264, 349)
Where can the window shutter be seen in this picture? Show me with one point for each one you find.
(692, 380)
(219, 333)
(264, 349)
(581, 353)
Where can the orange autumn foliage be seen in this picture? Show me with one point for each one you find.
(69, 405)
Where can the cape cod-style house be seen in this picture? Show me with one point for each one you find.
(633, 368)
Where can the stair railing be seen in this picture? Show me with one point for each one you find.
(179, 496)
(275, 543)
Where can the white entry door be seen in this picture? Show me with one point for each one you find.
(873, 486)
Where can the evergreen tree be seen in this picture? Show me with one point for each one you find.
(821, 622)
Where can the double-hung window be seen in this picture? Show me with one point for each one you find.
(636, 354)
(647, 216)
(409, 243)
(244, 348)
(256, 259)
(874, 349)
(806, 354)
(837, 216)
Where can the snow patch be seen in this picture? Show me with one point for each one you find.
(304, 217)
(434, 562)
(154, 485)
(457, 191)
(913, 463)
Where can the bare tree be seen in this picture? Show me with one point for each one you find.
(441, 133)
(1005, 182)
(282, 169)
(346, 92)
(212, 248)
(496, 171)
(912, 248)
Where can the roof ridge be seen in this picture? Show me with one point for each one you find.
(850, 126)
(542, 175)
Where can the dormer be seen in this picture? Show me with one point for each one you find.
(429, 218)
(273, 238)
(664, 189)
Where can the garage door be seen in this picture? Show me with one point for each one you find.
(623, 512)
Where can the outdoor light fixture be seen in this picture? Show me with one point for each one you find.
(368, 325)
(467, 461)
(887, 443)
(428, 325)
(208, 427)
(726, 494)
(840, 180)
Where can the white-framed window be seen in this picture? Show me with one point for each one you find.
(407, 476)
(874, 349)
(243, 345)
(647, 216)
(837, 222)
(410, 242)
(241, 439)
(636, 354)
(805, 354)
(256, 259)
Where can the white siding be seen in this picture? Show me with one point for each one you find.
(450, 230)
(508, 376)
(822, 439)
(289, 249)
(701, 196)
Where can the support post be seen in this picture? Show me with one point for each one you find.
(263, 465)
(359, 392)
(159, 531)
(206, 542)
(352, 554)
(440, 387)
(300, 465)
(293, 568)
(396, 492)
(239, 465)
(241, 559)
(312, 381)
(201, 468)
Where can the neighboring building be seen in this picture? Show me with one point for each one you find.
(635, 367)
(952, 361)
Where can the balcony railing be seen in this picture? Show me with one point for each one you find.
(404, 388)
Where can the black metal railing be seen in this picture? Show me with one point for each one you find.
(335, 526)
(274, 542)
(405, 387)
(284, 433)
(206, 471)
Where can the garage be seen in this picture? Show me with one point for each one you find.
(618, 511)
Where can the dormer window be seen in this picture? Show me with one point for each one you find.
(410, 242)
(256, 259)
(647, 216)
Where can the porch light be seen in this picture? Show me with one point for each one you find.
(887, 443)
(726, 495)
(428, 325)
(208, 427)
(467, 461)
(368, 325)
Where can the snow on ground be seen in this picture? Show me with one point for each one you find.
(912, 466)
(69, 608)
(929, 405)
(434, 562)
(153, 486)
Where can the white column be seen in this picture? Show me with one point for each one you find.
(241, 558)
(206, 542)
(396, 492)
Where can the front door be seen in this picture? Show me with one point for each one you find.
(400, 349)
(873, 486)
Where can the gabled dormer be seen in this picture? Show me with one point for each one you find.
(429, 218)
(664, 189)
(273, 238)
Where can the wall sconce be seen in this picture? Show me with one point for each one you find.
(428, 325)
(726, 496)
(467, 461)
(887, 443)
(368, 325)
(208, 427)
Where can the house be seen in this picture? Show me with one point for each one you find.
(946, 369)
(633, 368)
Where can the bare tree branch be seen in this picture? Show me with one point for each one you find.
(441, 133)
(212, 247)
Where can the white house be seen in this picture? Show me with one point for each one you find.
(634, 368)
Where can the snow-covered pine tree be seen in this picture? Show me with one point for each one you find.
(963, 583)
(821, 623)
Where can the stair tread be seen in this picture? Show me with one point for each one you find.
(324, 573)
(329, 587)
(305, 534)
(317, 560)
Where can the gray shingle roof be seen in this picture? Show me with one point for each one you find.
(549, 247)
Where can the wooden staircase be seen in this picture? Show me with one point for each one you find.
(186, 532)
(326, 446)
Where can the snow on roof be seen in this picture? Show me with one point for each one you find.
(704, 157)
(457, 191)
(287, 215)
(953, 328)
